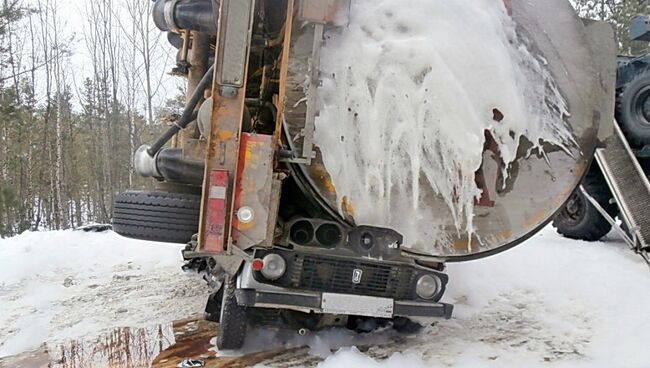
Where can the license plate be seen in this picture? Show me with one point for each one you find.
(358, 305)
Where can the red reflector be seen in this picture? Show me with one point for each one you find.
(257, 264)
(215, 222)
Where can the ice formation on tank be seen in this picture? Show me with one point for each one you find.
(409, 90)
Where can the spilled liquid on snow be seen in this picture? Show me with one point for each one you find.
(122, 347)
(407, 97)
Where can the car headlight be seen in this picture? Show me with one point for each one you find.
(274, 266)
(427, 286)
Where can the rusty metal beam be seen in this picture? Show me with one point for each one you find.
(228, 107)
(284, 71)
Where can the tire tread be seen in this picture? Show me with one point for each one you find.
(233, 322)
(593, 226)
(156, 216)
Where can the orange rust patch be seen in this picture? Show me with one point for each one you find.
(348, 210)
(224, 135)
(324, 178)
(461, 244)
(505, 235)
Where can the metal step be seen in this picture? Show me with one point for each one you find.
(630, 187)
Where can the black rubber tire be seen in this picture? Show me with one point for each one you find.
(633, 109)
(579, 219)
(233, 321)
(157, 216)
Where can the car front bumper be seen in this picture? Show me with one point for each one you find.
(328, 303)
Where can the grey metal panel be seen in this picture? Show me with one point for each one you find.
(629, 185)
(605, 65)
(640, 28)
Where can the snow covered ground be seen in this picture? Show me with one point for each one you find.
(550, 302)
(61, 285)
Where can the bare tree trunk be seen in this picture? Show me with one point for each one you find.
(52, 221)
(58, 163)
(31, 213)
(145, 39)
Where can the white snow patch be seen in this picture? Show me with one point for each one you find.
(62, 285)
(408, 95)
(352, 357)
(321, 344)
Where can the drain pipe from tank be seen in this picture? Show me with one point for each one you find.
(194, 15)
(169, 165)
(174, 167)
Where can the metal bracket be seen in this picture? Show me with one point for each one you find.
(234, 41)
(633, 243)
(629, 241)
(312, 100)
(290, 158)
(228, 91)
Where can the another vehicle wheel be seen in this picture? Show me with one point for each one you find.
(633, 110)
(157, 216)
(579, 219)
(233, 320)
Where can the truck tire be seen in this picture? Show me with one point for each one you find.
(579, 219)
(633, 110)
(233, 320)
(157, 216)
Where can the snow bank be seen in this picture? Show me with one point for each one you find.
(551, 302)
(409, 92)
(72, 285)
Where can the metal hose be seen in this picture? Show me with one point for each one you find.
(188, 114)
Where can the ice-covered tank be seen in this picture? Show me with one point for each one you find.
(518, 194)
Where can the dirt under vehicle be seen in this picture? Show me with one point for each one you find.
(617, 183)
(244, 183)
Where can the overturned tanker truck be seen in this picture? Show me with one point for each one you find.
(334, 155)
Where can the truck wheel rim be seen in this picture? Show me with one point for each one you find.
(641, 107)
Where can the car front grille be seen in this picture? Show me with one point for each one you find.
(335, 275)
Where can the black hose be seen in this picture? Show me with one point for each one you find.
(188, 114)
(175, 168)
(194, 15)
